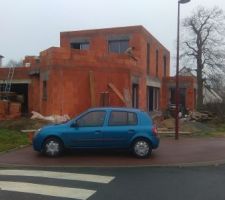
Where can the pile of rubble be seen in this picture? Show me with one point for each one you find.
(200, 116)
(188, 124)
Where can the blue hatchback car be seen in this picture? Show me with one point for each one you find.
(106, 127)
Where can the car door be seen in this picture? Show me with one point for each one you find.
(87, 130)
(122, 126)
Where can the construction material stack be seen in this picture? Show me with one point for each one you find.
(8, 108)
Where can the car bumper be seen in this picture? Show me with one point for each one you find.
(37, 144)
(155, 142)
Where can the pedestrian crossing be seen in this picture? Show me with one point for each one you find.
(46, 190)
(58, 175)
(50, 190)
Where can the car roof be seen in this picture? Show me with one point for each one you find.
(116, 108)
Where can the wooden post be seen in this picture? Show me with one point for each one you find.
(92, 88)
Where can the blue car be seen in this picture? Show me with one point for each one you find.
(106, 127)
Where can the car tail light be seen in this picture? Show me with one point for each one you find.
(155, 130)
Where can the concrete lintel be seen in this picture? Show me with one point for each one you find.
(18, 81)
(153, 82)
(181, 85)
(135, 79)
(119, 37)
(79, 40)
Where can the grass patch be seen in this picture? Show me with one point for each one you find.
(195, 129)
(213, 130)
(219, 130)
(10, 139)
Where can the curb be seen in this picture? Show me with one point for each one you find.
(175, 165)
(196, 163)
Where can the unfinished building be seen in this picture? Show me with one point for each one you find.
(121, 66)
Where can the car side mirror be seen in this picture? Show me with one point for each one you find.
(74, 125)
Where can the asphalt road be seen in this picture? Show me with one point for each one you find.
(163, 183)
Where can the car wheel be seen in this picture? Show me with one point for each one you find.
(52, 147)
(141, 148)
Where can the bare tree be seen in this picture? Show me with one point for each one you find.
(217, 83)
(14, 63)
(204, 45)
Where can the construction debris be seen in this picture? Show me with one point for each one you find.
(52, 118)
(200, 116)
(171, 133)
(191, 124)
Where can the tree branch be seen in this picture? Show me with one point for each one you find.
(190, 47)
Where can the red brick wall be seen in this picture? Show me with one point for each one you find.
(164, 100)
(188, 82)
(69, 89)
(139, 37)
(34, 95)
(19, 73)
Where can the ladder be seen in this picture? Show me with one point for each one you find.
(2, 88)
(8, 81)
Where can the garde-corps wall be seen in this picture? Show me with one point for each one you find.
(133, 42)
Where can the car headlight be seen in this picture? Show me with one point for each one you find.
(37, 132)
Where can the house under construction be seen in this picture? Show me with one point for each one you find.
(124, 66)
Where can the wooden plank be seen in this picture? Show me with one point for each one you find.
(173, 132)
(117, 92)
(92, 88)
(127, 97)
(28, 131)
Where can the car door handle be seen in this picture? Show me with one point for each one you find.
(97, 132)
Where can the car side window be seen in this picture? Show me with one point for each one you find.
(121, 118)
(92, 119)
(132, 118)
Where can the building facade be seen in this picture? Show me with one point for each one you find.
(105, 67)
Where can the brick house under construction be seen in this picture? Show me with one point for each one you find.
(115, 66)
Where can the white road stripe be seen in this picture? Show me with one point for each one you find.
(58, 175)
(55, 191)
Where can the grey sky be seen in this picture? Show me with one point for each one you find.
(30, 26)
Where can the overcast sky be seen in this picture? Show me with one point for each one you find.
(30, 26)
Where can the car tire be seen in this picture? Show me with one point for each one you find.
(53, 147)
(141, 148)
